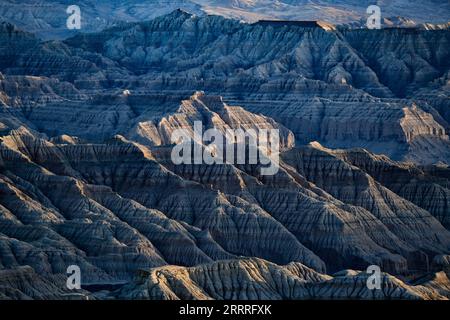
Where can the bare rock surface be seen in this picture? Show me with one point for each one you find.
(87, 179)
(23, 283)
(48, 18)
(348, 88)
(257, 279)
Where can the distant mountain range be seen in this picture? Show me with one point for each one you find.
(47, 18)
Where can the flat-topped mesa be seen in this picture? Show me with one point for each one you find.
(298, 23)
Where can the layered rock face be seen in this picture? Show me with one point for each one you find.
(343, 89)
(256, 279)
(118, 207)
(418, 185)
(211, 112)
(48, 18)
(23, 283)
(353, 185)
(87, 176)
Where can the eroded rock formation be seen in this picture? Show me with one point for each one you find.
(87, 179)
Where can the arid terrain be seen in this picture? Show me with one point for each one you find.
(87, 178)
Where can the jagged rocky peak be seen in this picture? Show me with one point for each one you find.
(65, 139)
(256, 279)
(399, 22)
(23, 283)
(405, 179)
(96, 15)
(211, 112)
(442, 262)
(417, 123)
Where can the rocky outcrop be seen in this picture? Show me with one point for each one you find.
(48, 18)
(318, 83)
(232, 279)
(93, 209)
(211, 112)
(284, 207)
(122, 206)
(442, 262)
(257, 279)
(352, 185)
(86, 175)
(323, 85)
